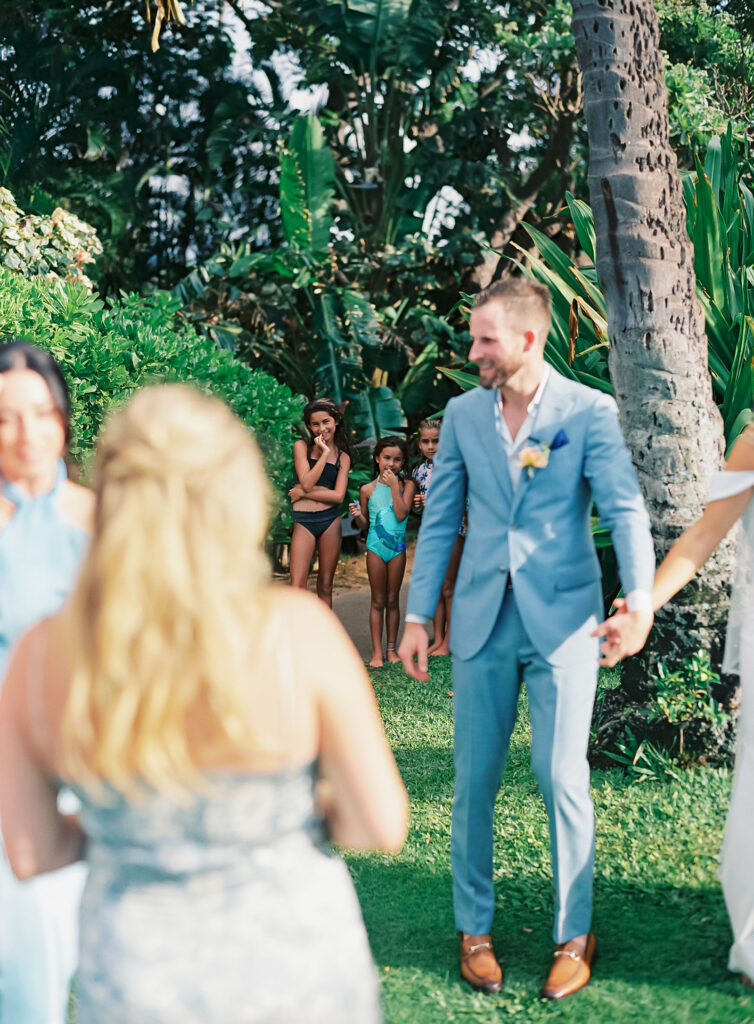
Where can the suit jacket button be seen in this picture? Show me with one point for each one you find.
(514, 526)
(503, 568)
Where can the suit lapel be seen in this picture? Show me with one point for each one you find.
(492, 443)
(548, 419)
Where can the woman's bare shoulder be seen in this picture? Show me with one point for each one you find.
(77, 505)
(306, 623)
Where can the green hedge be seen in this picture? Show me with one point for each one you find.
(107, 350)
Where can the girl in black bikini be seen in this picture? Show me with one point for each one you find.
(321, 468)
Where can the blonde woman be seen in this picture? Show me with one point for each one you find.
(192, 707)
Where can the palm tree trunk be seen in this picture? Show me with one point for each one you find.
(658, 347)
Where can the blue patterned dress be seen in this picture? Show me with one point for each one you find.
(227, 910)
(40, 553)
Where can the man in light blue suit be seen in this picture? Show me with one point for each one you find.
(529, 451)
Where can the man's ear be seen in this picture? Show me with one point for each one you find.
(530, 337)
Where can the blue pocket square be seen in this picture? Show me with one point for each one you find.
(560, 439)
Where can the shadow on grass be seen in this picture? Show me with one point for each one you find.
(676, 937)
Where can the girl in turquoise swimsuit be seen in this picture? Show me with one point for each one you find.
(384, 505)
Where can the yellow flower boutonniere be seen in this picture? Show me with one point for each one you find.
(536, 455)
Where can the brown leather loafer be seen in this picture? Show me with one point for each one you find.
(479, 966)
(570, 970)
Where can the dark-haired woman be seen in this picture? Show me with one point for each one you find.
(321, 467)
(45, 521)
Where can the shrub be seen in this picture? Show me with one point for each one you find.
(54, 247)
(106, 350)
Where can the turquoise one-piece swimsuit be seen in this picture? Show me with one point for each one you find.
(387, 534)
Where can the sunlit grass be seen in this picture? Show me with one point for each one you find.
(659, 914)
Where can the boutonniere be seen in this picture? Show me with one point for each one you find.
(536, 455)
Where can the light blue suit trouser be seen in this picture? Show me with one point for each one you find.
(485, 695)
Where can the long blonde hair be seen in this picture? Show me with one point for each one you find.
(169, 603)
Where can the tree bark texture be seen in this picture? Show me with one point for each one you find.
(658, 347)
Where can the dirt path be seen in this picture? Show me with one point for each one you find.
(351, 596)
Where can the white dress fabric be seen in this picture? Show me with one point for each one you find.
(737, 862)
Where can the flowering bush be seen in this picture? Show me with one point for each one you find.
(56, 247)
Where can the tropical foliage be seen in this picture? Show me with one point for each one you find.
(720, 220)
(106, 349)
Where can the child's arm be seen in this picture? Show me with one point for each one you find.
(337, 494)
(309, 475)
(402, 497)
(360, 511)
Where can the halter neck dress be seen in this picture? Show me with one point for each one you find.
(40, 554)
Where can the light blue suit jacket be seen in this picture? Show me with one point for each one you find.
(540, 533)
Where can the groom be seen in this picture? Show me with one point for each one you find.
(530, 450)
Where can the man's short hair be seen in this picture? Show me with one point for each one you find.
(522, 299)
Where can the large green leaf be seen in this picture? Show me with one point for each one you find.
(375, 413)
(583, 221)
(307, 186)
(738, 394)
(710, 243)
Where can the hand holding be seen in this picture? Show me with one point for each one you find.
(319, 442)
(415, 644)
(354, 509)
(625, 633)
(418, 501)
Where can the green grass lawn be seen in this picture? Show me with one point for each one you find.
(659, 915)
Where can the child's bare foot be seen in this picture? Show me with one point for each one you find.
(439, 651)
(376, 661)
(433, 647)
(392, 656)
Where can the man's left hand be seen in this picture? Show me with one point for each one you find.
(625, 633)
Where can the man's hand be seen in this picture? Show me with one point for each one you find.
(415, 642)
(625, 633)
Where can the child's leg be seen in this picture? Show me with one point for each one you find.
(396, 567)
(328, 546)
(303, 543)
(438, 624)
(377, 573)
(446, 595)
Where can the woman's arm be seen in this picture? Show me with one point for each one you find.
(366, 803)
(693, 548)
(37, 836)
(688, 554)
(309, 475)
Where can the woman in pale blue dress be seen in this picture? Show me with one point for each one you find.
(730, 500)
(44, 524)
(195, 707)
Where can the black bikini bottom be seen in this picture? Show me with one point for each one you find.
(316, 522)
